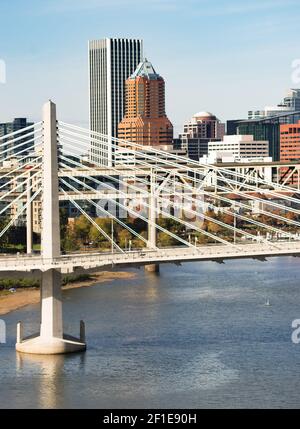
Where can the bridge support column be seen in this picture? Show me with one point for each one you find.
(29, 218)
(50, 339)
(152, 268)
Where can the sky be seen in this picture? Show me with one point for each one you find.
(226, 57)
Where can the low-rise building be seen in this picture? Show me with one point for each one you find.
(240, 146)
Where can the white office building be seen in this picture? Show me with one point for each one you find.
(239, 147)
(240, 154)
(111, 62)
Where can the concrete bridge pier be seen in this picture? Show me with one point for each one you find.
(152, 268)
(50, 339)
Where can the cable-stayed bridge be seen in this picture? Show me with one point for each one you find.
(221, 213)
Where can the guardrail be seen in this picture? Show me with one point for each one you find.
(70, 262)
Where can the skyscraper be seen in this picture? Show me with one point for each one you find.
(145, 121)
(201, 129)
(111, 62)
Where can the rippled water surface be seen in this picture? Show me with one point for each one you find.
(198, 335)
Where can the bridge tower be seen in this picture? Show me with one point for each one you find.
(50, 339)
(152, 268)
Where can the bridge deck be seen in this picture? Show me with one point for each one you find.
(92, 261)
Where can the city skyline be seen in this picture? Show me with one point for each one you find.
(204, 64)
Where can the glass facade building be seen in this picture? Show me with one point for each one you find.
(111, 62)
(264, 129)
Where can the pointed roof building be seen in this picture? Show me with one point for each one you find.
(145, 69)
(145, 121)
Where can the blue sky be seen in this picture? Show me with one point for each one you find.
(222, 56)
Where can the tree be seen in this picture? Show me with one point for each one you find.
(69, 242)
(228, 218)
(214, 228)
(63, 221)
(82, 228)
(138, 243)
(95, 235)
(4, 239)
(123, 238)
(165, 240)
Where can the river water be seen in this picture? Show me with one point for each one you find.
(196, 335)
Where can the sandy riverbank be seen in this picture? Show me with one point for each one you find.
(27, 296)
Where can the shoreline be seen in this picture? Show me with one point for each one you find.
(29, 296)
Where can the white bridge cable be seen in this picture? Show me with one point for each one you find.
(32, 163)
(228, 190)
(245, 218)
(106, 212)
(195, 201)
(180, 166)
(32, 136)
(257, 223)
(19, 196)
(19, 153)
(193, 212)
(28, 155)
(159, 211)
(93, 222)
(237, 203)
(25, 173)
(18, 214)
(19, 185)
(270, 214)
(160, 152)
(13, 148)
(222, 198)
(226, 179)
(22, 130)
(137, 215)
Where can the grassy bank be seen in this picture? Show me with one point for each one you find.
(28, 290)
(6, 284)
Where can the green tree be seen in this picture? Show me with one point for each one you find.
(165, 240)
(123, 238)
(95, 235)
(82, 228)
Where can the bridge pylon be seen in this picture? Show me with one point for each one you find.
(152, 268)
(50, 339)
